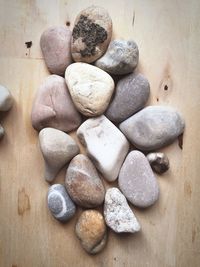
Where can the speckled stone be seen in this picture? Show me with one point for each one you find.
(159, 162)
(121, 57)
(55, 43)
(83, 182)
(58, 148)
(131, 95)
(53, 106)
(137, 181)
(153, 127)
(2, 132)
(91, 34)
(105, 145)
(91, 89)
(118, 215)
(59, 203)
(6, 99)
(91, 231)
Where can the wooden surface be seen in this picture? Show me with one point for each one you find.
(168, 36)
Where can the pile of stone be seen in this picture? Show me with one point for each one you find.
(119, 127)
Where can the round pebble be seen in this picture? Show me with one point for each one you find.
(6, 99)
(83, 182)
(59, 203)
(91, 34)
(121, 57)
(158, 161)
(91, 231)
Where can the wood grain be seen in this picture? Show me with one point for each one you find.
(168, 35)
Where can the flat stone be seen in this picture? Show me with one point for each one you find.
(137, 181)
(105, 145)
(2, 132)
(91, 89)
(121, 57)
(91, 34)
(91, 231)
(159, 162)
(58, 148)
(83, 182)
(59, 203)
(131, 95)
(153, 127)
(55, 43)
(6, 99)
(53, 106)
(118, 215)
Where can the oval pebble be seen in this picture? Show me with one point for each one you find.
(59, 203)
(83, 182)
(131, 95)
(91, 89)
(91, 231)
(118, 215)
(55, 43)
(137, 181)
(91, 34)
(153, 127)
(121, 57)
(6, 99)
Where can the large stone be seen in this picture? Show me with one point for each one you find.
(59, 203)
(83, 182)
(55, 44)
(118, 215)
(137, 181)
(58, 148)
(6, 99)
(153, 127)
(131, 95)
(91, 89)
(91, 34)
(91, 231)
(53, 106)
(121, 57)
(105, 145)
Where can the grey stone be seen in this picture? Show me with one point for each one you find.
(153, 127)
(118, 215)
(6, 99)
(59, 203)
(2, 132)
(83, 182)
(121, 57)
(137, 181)
(159, 162)
(131, 94)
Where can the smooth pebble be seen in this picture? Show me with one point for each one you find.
(159, 162)
(6, 99)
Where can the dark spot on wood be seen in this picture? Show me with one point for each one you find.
(133, 19)
(91, 34)
(23, 202)
(180, 141)
(26, 54)
(165, 87)
(115, 259)
(68, 23)
(193, 235)
(187, 189)
(14, 265)
(157, 99)
(28, 44)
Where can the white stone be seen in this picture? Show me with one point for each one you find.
(6, 99)
(90, 87)
(105, 145)
(118, 215)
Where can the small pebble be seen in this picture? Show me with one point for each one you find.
(91, 34)
(59, 203)
(91, 89)
(131, 95)
(91, 231)
(6, 99)
(83, 182)
(55, 44)
(121, 57)
(137, 181)
(153, 127)
(2, 132)
(118, 215)
(58, 148)
(105, 144)
(158, 161)
(53, 106)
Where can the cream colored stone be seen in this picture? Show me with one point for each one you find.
(6, 99)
